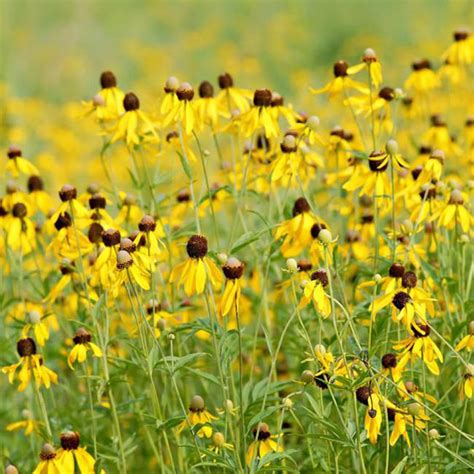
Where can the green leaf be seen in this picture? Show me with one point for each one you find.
(400, 466)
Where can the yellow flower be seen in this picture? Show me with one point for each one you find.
(297, 230)
(455, 213)
(207, 108)
(70, 453)
(21, 234)
(28, 424)
(219, 444)
(314, 291)
(422, 79)
(341, 83)
(466, 388)
(467, 342)
(183, 111)
(107, 104)
(420, 345)
(462, 50)
(49, 463)
(131, 264)
(82, 345)
(40, 329)
(233, 271)
(373, 417)
(133, 125)
(232, 98)
(259, 117)
(194, 272)
(370, 63)
(198, 415)
(17, 164)
(263, 444)
(32, 364)
(38, 197)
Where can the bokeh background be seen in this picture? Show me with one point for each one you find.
(53, 52)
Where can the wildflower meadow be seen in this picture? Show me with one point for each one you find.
(236, 236)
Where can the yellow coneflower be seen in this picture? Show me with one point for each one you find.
(454, 213)
(107, 104)
(462, 50)
(230, 97)
(130, 262)
(71, 453)
(233, 270)
(197, 269)
(17, 164)
(82, 345)
(390, 366)
(207, 108)
(372, 64)
(263, 444)
(183, 110)
(49, 463)
(341, 83)
(133, 125)
(313, 290)
(420, 345)
(466, 388)
(198, 415)
(219, 443)
(373, 415)
(21, 234)
(170, 100)
(129, 211)
(38, 197)
(40, 329)
(32, 365)
(259, 118)
(422, 79)
(28, 424)
(152, 232)
(467, 342)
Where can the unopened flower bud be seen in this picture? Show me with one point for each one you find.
(320, 350)
(197, 403)
(34, 317)
(218, 439)
(222, 257)
(325, 236)
(307, 376)
(391, 147)
(292, 265)
(434, 433)
(171, 84)
(313, 122)
(414, 409)
(11, 469)
(288, 403)
(377, 278)
(228, 405)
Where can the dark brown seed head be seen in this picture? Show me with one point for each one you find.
(415, 172)
(460, 35)
(340, 68)
(437, 121)
(409, 280)
(147, 224)
(387, 93)
(320, 275)
(262, 98)
(301, 205)
(70, 440)
(171, 136)
(288, 145)
(64, 220)
(127, 245)
(372, 413)
(337, 131)
(47, 452)
(35, 183)
(322, 381)
(197, 246)
(206, 90)
(97, 201)
(389, 361)
(400, 300)
(14, 151)
(133, 236)
(185, 91)
(153, 306)
(304, 265)
(225, 81)
(111, 237)
(66, 267)
(82, 336)
(423, 330)
(367, 219)
(363, 394)
(183, 196)
(316, 229)
(391, 414)
(396, 270)
(67, 193)
(95, 233)
(469, 121)
(263, 431)
(233, 269)
(421, 64)
(26, 347)
(407, 101)
(19, 210)
(131, 102)
(108, 80)
(375, 163)
(424, 150)
(3, 211)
